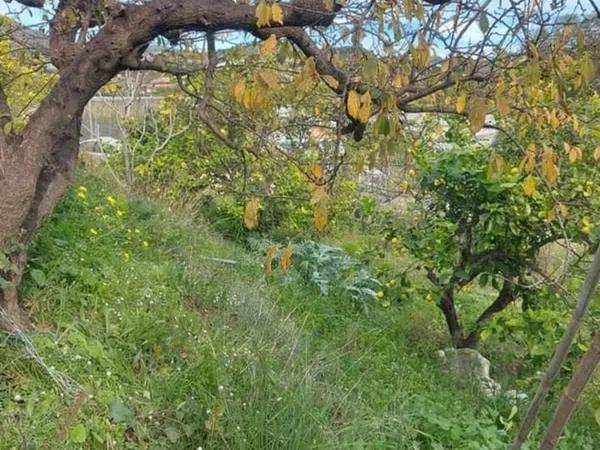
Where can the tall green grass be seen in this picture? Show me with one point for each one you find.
(177, 350)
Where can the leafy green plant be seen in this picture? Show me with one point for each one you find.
(329, 268)
(479, 222)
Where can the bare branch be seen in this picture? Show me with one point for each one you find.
(596, 8)
(177, 68)
(32, 3)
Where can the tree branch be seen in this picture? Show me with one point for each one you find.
(177, 68)
(32, 3)
(505, 297)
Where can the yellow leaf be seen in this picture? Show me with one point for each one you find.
(359, 166)
(597, 153)
(421, 54)
(477, 111)
(319, 195)
(248, 98)
(461, 102)
(502, 103)
(277, 13)
(319, 200)
(553, 119)
(307, 75)
(574, 153)
(310, 68)
(576, 123)
(268, 264)
(563, 210)
(529, 185)
(251, 214)
(365, 107)
(399, 80)
(549, 168)
(238, 87)
(263, 13)
(331, 81)
(528, 163)
(286, 258)
(268, 45)
(353, 103)
(408, 8)
(587, 69)
(268, 78)
(320, 216)
(315, 171)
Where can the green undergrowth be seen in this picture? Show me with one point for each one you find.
(177, 349)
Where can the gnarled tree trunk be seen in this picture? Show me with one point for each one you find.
(30, 193)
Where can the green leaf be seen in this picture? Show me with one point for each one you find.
(382, 125)
(483, 280)
(486, 333)
(513, 322)
(39, 277)
(118, 412)
(484, 23)
(4, 262)
(5, 284)
(370, 68)
(78, 434)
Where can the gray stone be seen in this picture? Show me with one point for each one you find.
(516, 397)
(469, 364)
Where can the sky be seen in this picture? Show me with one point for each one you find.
(35, 17)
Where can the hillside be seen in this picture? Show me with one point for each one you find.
(176, 350)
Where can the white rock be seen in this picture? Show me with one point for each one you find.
(469, 364)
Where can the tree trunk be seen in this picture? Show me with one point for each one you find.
(12, 316)
(581, 377)
(446, 304)
(25, 202)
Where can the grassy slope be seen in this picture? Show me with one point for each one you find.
(182, 352)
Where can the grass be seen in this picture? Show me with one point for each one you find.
(179, 351)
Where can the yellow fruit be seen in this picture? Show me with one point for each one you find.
(379, 294)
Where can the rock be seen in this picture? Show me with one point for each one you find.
(489, 387)
(516, 397)
(469, 364)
